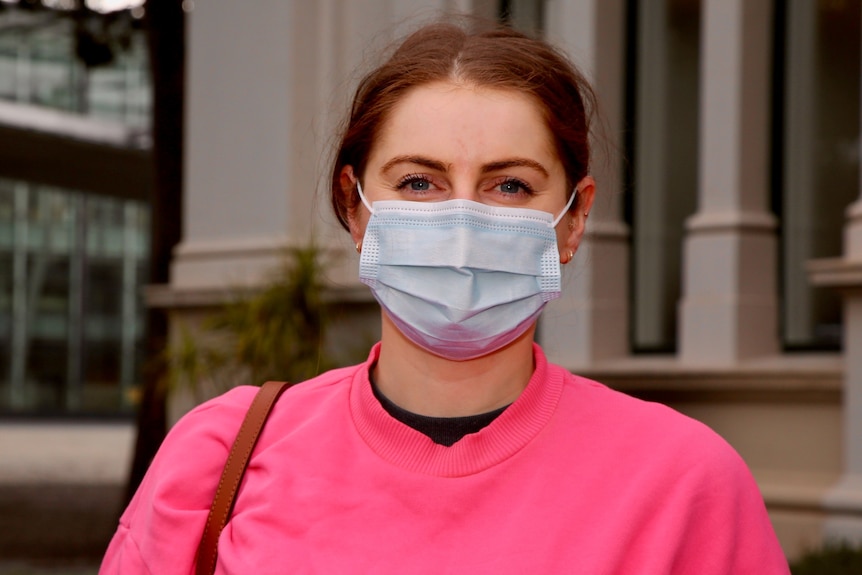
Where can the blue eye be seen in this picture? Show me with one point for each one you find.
(510, 187)
(415, 183)
(514, 187)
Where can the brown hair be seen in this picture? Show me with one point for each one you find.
(499, 58)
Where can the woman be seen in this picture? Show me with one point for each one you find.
(463, 178)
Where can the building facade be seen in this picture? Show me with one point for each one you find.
(74, 210)
(722, 272)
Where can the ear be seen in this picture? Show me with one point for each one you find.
(348, 187)
(576, 221)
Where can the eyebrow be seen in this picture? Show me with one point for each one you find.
(515, 163)
(442, 167)
(419, 160)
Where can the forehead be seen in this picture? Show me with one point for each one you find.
(456, 120)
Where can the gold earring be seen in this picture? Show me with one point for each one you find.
(586, 214)
(359, 247)
(566, 257)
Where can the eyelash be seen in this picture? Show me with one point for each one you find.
(409, 179)
(526, 189)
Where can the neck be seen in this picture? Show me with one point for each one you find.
(423, 383)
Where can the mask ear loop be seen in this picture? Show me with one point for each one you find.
(563, 213)
(364, 199)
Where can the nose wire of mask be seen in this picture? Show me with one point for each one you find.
(556, 221)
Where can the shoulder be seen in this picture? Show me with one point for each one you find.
(195, 449)
(689, 478)
(649, 433)
(218, 419)
(235, 402)
(173, 501)
(663, 451)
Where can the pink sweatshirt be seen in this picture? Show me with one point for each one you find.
(571, 478)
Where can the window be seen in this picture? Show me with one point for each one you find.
(71, 319)
(817, 149)
(72, 261)
(663, 109)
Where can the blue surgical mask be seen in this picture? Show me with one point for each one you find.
(459, 278)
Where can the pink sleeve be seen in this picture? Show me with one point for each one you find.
(729, 519)
(160, 530)
(122, 555)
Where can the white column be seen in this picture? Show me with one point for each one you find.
(729, 304)
(238, 186)
(844, 502)
(590, 321)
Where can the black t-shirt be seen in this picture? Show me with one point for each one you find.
(442, 430)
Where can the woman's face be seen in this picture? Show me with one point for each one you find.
(449, 141)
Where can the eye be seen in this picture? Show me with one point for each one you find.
(514, 187)
(415, 183)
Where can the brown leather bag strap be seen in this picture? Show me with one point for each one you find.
(234, 469)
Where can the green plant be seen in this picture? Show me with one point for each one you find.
(833, 559)
(275, 332)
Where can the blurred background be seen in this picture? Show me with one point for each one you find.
(161, 159)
